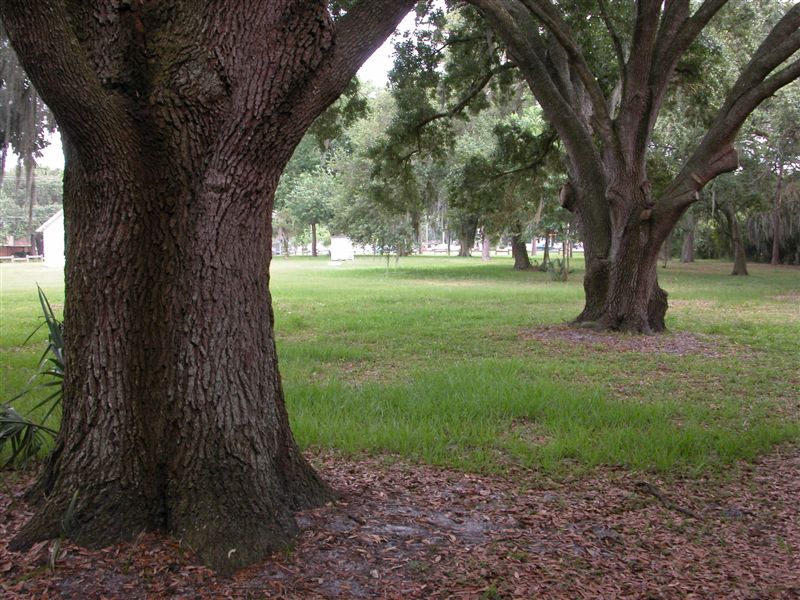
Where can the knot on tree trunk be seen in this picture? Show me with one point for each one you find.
(566, 197)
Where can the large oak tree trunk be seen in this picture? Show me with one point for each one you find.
(173, 414)
(621, 281)
(181, 423)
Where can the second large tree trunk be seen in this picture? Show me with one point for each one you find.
(621, 281)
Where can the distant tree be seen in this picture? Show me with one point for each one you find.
(774, 141)
(601, 74)
(311, 200)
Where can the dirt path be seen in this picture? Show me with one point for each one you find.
(405, 531)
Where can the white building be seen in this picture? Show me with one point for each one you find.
(52, 232)
(341, 248)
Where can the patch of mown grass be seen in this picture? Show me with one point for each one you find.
(486, 415)
(424, 359)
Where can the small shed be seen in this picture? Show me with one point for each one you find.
(342, 248)
(52, 232)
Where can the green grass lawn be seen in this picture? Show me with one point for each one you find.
(427, 359)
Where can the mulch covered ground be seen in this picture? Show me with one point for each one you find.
(680, 343)
(408, 531)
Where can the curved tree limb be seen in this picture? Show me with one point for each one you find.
(754, 85)
(52, 54)
(547, 140)
(458, 107)
(679, 32)
(519, 29)
(464, 101)
(356, 36)
(549, 16)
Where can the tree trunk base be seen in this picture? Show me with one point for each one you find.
(597, 315)
(227, 531)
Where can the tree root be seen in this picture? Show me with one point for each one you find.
(648, 488)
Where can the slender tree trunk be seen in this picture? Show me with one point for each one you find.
(520, 253)
(416, 226)
(537, 218)
(739, 257)
(283, 236)
(30, 196)
(687, 251)
(313, 239)
(545, 252)
(776, 218)
(485, 246)
(3, 159)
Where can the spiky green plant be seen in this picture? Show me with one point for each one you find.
(23, 435)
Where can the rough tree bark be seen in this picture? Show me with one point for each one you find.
(174, 416)
(606, 136)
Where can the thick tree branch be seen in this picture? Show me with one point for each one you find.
(356, 36)
(645, 28)
(715, 153)
(548, 14)
(677, 34)
(515, 25)
(675, 14)
(60, 69)
(636, 104)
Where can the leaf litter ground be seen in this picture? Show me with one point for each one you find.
(400, 530)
